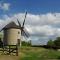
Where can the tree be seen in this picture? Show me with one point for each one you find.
(50, 43)
(57, 41)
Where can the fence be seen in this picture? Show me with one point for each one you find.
(8, 49)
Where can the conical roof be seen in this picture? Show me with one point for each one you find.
(11, 25)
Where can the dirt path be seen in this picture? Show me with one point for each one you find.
(6, 57)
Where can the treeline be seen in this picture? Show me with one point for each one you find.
(51, 44)
(24, 43)
(54, 44)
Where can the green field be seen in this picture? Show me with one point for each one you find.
(36, 53)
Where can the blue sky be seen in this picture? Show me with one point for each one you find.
(32, 6)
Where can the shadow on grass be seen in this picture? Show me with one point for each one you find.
(58, 57)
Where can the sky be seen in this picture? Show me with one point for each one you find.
(32, 6)
(42, 21)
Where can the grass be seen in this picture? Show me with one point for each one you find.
(35, 53)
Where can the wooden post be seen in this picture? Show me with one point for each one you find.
(3, 48)
(16, 50)
(9, 49)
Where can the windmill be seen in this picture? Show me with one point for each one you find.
(23, 32)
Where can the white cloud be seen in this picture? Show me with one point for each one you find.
(5, 6)
(40, 27)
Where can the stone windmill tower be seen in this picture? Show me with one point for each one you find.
(13, 33)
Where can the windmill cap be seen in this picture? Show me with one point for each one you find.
(11, 25)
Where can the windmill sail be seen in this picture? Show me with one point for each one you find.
(24, 19)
